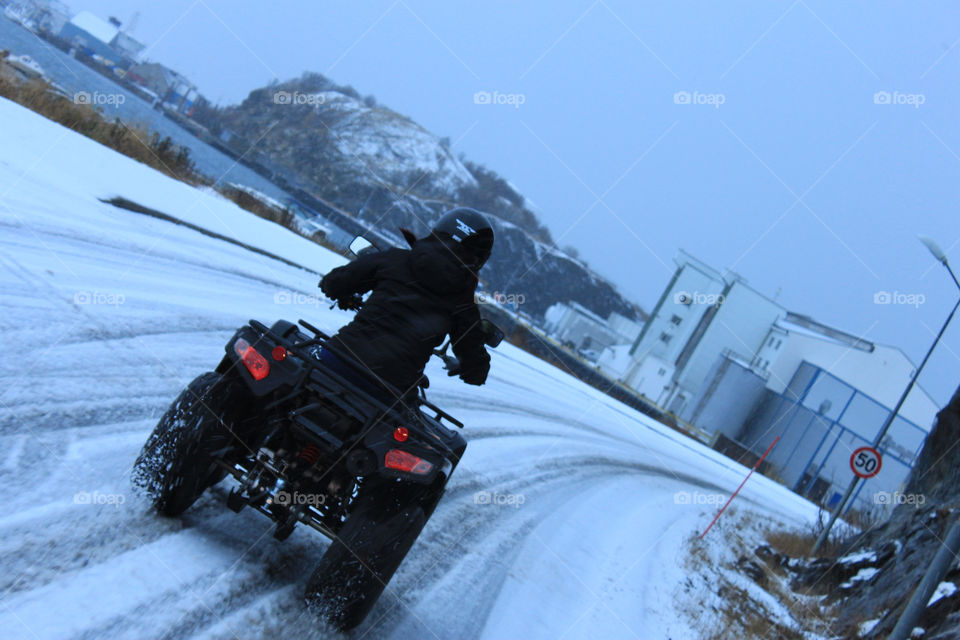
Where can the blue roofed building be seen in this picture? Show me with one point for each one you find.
(101, 39)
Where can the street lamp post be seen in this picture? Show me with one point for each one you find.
(942, 258)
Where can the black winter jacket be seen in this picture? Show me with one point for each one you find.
(419, 296)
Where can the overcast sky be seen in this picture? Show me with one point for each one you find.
(788, 171)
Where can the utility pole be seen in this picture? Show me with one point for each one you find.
(942, 258)
(935, 574)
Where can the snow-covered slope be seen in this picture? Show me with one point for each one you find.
(311, 130)
(400, 148)
(567, 517)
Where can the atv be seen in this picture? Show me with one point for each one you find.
(308, 445)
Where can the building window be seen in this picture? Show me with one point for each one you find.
(770, 344)
(779, 342)
(665, 338)
(662, 372)
(676, 320)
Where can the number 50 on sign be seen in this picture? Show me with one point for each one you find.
(866, 462)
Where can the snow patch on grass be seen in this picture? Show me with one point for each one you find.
(726, 603)
(944, 590)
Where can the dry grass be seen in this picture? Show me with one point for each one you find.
(796, 544)
(743, 618)
(284, 217)
(136, 142)
(799, 544)
(244, 200)
(132, 141)
(863, 519)
(739, 613)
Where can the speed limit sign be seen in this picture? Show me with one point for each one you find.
(865, 462)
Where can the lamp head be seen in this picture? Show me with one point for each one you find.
(934, 248)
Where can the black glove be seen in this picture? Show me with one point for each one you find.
(350, 303)
(476, 374)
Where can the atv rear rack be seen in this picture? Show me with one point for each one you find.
(340, 390)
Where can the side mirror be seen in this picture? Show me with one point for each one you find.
(360, 244)
(492, 334)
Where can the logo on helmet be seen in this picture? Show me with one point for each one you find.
(464, 228)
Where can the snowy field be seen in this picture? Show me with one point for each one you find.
(570, 516)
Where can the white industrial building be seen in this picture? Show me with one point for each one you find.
(736, 364)
(700, 314)
(581, 329)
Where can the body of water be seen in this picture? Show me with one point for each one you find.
(75, 77)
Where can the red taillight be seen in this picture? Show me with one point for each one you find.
(403, 461)
(256, 364)
(278, 353)
(400, 434)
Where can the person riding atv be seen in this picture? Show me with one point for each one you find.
(313, 443)
(419, 296)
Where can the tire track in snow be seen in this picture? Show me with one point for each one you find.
(434, 556)
(129, 573)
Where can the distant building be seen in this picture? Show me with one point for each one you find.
(51, 16)
(128, 47)
(615, 359)
(583, 330)
(101, 39)
(175, 90)
(626, 329)
(92, 35)
(700, 314)
(736, 364)
(40, 16)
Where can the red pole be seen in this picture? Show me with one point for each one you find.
(717, 517)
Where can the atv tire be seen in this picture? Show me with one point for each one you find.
(177, 463)
(359, 563)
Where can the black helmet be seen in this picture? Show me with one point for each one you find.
(470, 230)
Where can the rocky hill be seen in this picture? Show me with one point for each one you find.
(915, 532)
(387, 170)
(865, 587)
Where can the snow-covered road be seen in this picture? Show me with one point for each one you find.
(568, 517)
